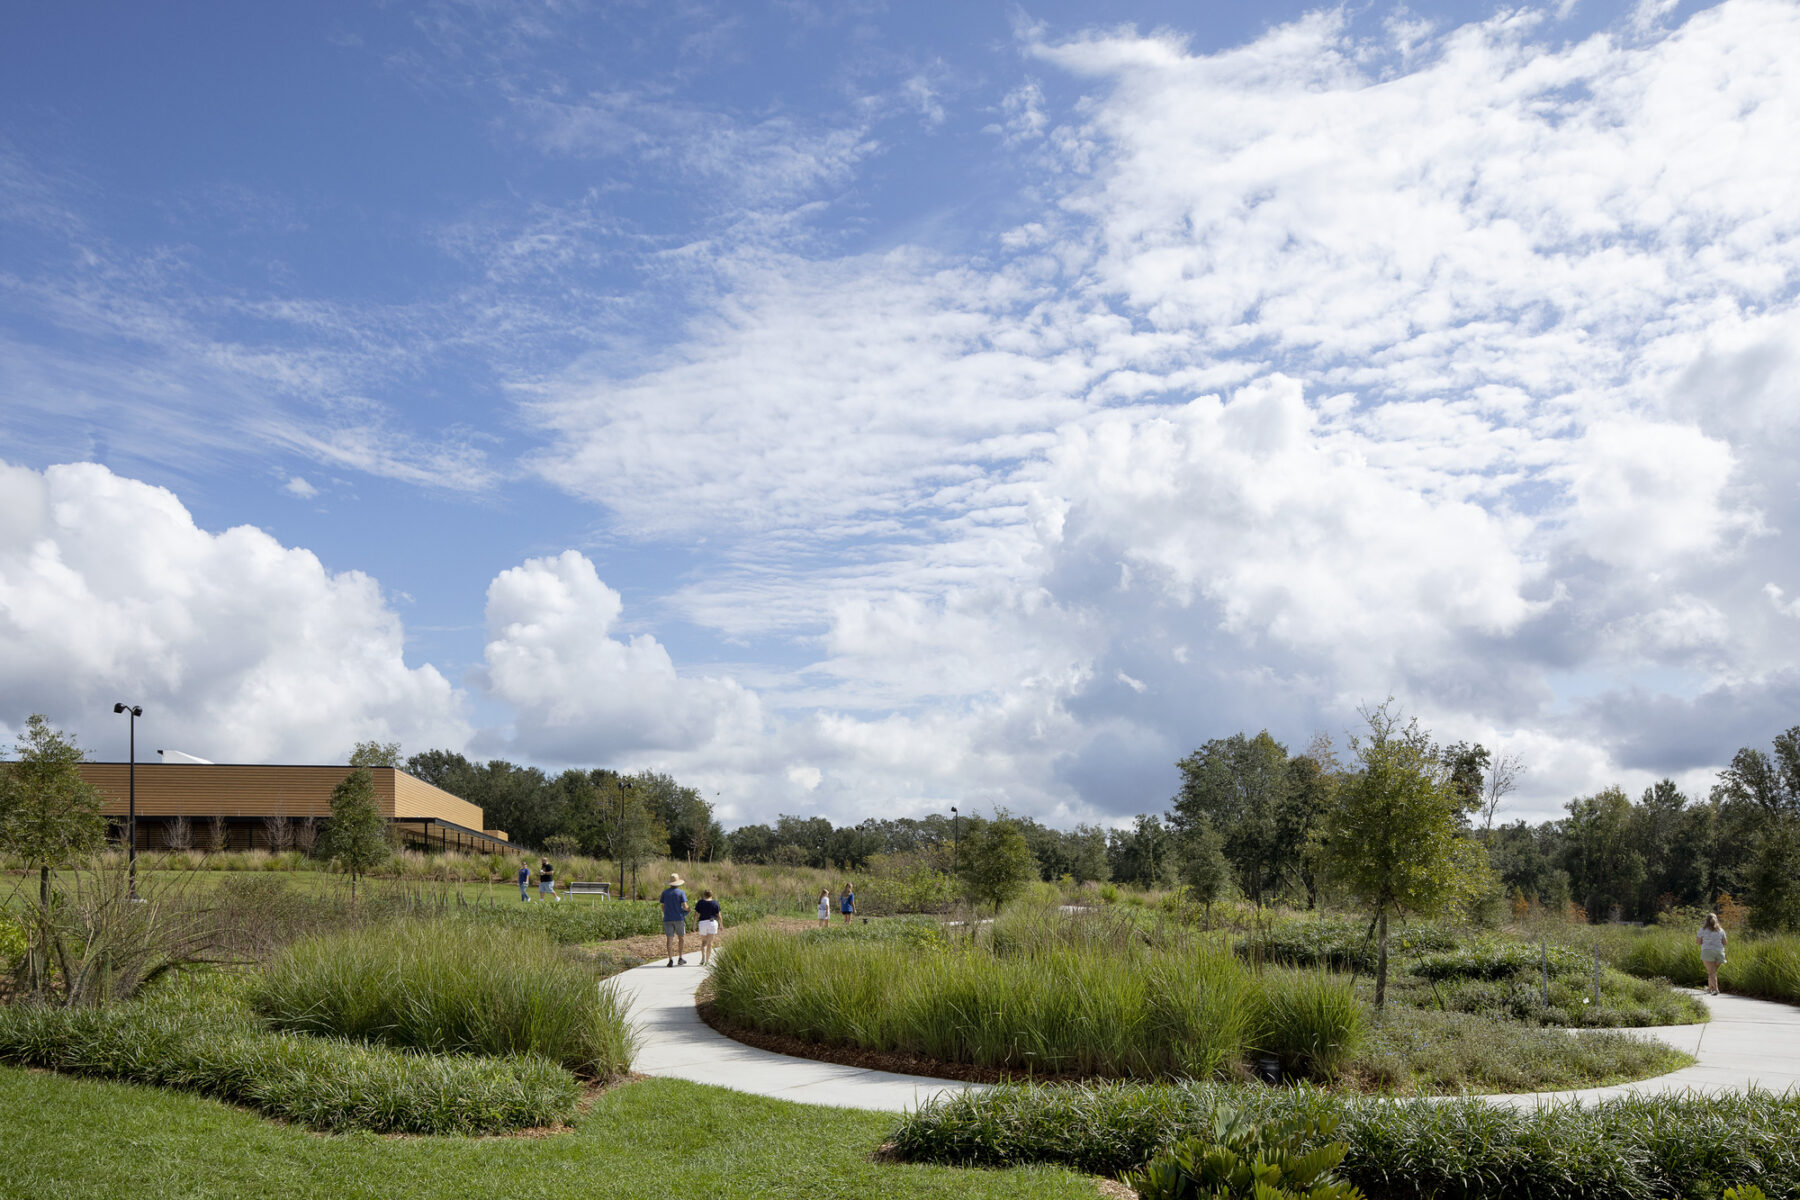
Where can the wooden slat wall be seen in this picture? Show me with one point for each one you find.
(244, 790)
(416, 798)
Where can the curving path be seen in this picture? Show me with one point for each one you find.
(674, 1041)
(1747, 1042)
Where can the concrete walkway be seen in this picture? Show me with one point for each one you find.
(1747, 1042)
(674, 1041)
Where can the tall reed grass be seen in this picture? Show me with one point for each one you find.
(430, 986)
(1766, 966)
(1042, 994)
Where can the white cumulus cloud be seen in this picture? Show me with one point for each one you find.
(239, 648)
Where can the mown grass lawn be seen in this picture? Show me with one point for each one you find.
(662, 1139)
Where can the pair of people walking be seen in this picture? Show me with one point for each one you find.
(846, 905)
(708, 919)
(546, 880)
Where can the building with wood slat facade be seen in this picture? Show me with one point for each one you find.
(277, 807)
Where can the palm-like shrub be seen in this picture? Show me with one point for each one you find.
(1244, 1160)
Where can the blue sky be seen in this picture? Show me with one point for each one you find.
(863, 408)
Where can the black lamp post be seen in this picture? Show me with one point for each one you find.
(619, 836)
(955, 842)
(135, 712)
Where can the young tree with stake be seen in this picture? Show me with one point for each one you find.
(49, 817)
(357, 834)
(1394, 839)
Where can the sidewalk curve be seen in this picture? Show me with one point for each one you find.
(674, 1041)
(1747, 1042)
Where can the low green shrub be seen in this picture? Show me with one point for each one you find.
(1288, 1159)
(1632, 1149)
(428, 986)
(203, 1039)
(12, 944)
(1493, 958)
(1420, 1051)
(1340, 944)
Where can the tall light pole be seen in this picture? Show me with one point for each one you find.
(619, 835)
(135, 712)
(955, 842)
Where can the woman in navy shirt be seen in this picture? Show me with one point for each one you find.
(706, 914)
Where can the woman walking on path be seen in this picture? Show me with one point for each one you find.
(706, 916)
(1712, 950)
(847, 904)
(824, 907)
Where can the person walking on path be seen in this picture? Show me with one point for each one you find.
(824, 907)
(674, 908)
(1712, 950)
(847, 904)
(546, 879)
(707, 918)
(524, 880)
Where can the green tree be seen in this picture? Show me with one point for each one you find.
(49, 817)
(357, 834)
(996, 861)
(1204, 867)
(1605, 867)
(375, 754)
(1088, 860)
(1241, 786)
(1769, 785)
(1394, 838)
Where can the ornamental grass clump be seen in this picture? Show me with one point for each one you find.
(1312, 1021)
(429, 986)
(1050, 1009)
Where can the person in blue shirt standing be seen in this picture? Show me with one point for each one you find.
(674, 908)
(847, 904)
(524, 881)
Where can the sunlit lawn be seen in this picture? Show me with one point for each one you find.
(661, 1139)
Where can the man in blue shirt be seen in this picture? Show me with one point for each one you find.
(524, 881)
(675, 906)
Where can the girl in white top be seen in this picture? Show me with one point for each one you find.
(825, 907)
(1712, 950)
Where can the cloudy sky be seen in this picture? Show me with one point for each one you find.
(859, 408)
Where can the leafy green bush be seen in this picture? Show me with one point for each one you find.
(1291, 1158)
(1633, 1149)
(12, 943)
(203, 1039)
(430, 987)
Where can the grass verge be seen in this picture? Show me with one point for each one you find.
(71, 1139)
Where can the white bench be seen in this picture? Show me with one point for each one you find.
(602, 890)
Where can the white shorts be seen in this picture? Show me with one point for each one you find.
(709, 927)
